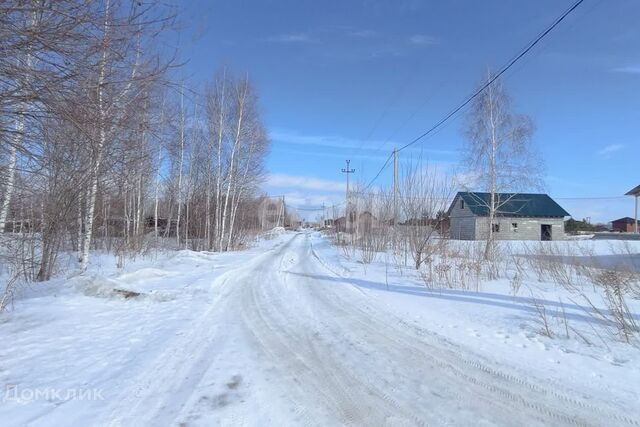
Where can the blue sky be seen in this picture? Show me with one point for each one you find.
(351, 79)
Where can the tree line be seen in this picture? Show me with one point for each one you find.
(103, 146)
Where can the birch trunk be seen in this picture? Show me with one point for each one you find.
(156, 201)
(221, 122)
(488, 250)
(157, 195)
(181, 165)
(18, 138)
(236, 142)
(95, 168)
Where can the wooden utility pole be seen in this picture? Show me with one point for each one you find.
(395, 186)
(284, 210)
(346, 208)
(395, 194)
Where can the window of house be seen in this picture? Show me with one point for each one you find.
(495, 228)
(514, 227)
(461, 204)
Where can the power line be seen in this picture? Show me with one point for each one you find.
(406, 82)
(466, 102)
(384, 166)
(496, 76)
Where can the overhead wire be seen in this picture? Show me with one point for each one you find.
(474, 95)
(496, 76)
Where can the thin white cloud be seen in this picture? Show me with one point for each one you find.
(322, 140)
(422, 40)
(610, 149)
(631, 69)
(364, 148)
(364, 34)
(292, 38)
(312, 203)
(281, 180)
(333, 153)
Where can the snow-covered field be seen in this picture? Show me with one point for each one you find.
(291, 332)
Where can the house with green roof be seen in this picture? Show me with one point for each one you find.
(519, 216)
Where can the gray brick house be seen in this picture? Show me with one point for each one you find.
(520, 216)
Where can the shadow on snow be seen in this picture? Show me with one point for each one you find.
(522, 304)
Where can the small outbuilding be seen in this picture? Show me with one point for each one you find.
(519, 216)
(624, 225)
(635, 192)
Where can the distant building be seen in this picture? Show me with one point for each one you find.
(625, 225)
(520, 216)
(635, 192)
(362, 223)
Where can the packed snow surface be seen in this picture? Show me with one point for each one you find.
(291, 333)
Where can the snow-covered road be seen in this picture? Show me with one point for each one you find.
(288, 341)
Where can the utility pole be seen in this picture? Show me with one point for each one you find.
(322, 225)
(395, 194)
(333, 217)
(395, 186)
(284, 210)
(346, 208)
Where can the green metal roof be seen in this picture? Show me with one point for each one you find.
(513, 204)
(635, 191)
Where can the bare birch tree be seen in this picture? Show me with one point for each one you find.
(499, 150)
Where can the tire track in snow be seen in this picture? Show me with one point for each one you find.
(342, 359)
(498, 382)
(159, 392)
(296, 346)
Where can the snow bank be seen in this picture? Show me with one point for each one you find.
(71, 343)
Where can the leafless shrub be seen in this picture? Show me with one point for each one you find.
(386, 270)
(425, 194)
(565, 322)
(615, 289)
(541, 319)
(9, 292)
(628, 268)
(367, 252)
(19, 263)
(555, 263)
(515, 283)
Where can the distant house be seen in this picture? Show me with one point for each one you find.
(635, 192)
(363, 222)
(520, 216)
(366, 222)
(625, 225)
(340, 224)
